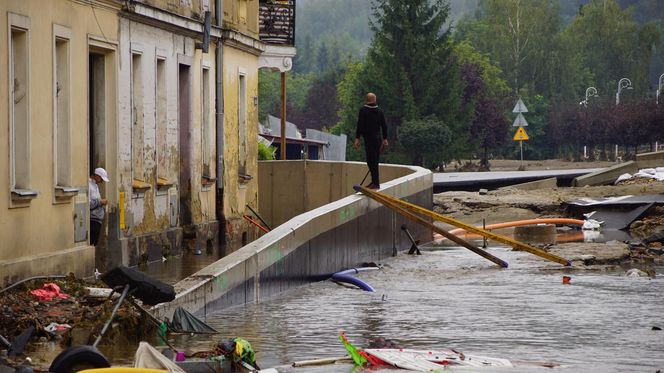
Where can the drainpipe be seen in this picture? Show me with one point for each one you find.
(219, 121)
(219, 98)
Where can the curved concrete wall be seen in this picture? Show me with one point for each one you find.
(311, 245)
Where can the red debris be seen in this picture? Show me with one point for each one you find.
(48, 292)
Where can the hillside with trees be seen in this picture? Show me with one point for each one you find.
(447, 74)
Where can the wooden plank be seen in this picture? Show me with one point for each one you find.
(469, 228)
(410, 216)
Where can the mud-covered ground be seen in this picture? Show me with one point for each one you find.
(511, 204)
(73, 319)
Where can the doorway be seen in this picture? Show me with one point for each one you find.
(97, 111)
(184, 120)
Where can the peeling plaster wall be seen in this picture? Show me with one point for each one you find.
(238, 194)
(187, 8)
(38, 238)
(148, 211)
(242, 15)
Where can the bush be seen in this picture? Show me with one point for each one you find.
(266, 152)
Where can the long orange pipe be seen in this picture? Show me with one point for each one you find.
(518, 223)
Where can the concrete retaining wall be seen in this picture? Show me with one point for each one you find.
(650, 160)
(311, 245)
(607, 175)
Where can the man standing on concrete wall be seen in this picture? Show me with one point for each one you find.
(96, 204)
(370, 125)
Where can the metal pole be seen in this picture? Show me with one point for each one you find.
(521, 146)
(259, 217)
(110, 319)
(659, 86)
(283, 115)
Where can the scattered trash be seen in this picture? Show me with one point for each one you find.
(49, 292)
(185, 322)
(635, 272)
(54, 327)
(149, 357)
(389, 353)
(239, 351)
(645, 173)
(591, 225)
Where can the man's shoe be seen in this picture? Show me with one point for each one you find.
(373, 186)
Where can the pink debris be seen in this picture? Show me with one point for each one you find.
(48, 292)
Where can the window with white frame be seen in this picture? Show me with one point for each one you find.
(242, 121)
(137, 129)
(19, 104)
(205, 122)
(162, 121)
(61, 107)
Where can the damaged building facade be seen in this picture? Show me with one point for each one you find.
(162, 94)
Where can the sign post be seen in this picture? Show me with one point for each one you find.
(520, 122)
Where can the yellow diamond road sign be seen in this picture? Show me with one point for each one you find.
(520, 134)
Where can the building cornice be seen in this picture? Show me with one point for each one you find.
(238, 40)
(166, 20)
(111, 5)
(277, 57)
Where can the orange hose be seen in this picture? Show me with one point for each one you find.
(254, 222)
(518, 223)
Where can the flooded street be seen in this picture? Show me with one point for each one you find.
(454, 299)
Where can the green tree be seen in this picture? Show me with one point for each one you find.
(613, 45)
(269, 92)
(350, 93)
(492, 76)
(411, 69)
(520, 36)
(425, 140)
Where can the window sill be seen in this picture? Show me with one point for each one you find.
(140, 186)
(65, 192)
(163, 186)
(208, 181)
(164, 183)
(24, 194)
(244, 178)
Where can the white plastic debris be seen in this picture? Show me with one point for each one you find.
(623, 177)
(645, 173)
(635, 272)
(591, 224)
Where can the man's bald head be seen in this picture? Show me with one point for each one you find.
(371, 98)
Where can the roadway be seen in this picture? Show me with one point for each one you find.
(473, 181)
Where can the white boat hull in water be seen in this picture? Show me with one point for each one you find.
(430, 360)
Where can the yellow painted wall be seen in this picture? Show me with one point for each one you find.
(187, 8)
(242, 15)
(149, 209)
(237, 195)
(44, 227)
(203, 197)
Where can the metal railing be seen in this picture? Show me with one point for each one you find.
(277, 21)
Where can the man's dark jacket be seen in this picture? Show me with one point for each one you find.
(370, 123)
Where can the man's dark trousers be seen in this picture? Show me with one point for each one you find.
(95, 230)
(372, 148)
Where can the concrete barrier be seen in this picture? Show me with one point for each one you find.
(607, 175)
(551, 182)
(311, 245)
(650, 160)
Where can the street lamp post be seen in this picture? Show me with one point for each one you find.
(622, 84)
(590, 91)
(659, 87)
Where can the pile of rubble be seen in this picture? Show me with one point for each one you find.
(64, 311)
